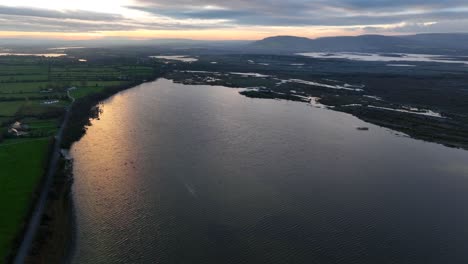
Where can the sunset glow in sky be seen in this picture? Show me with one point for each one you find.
(236, 19)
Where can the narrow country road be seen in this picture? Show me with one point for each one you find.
(35, 220)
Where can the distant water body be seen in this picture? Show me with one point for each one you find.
(391, 57)
(50, 55)
(176, 173)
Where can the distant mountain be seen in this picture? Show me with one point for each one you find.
(283, 42)
(421, 43)
(442, 43)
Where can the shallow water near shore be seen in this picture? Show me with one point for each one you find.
(176, 173)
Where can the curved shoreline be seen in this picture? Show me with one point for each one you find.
(97, 169)
(36, 216)
(76, 128)
(72, 129)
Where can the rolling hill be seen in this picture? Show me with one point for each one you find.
(456, 43)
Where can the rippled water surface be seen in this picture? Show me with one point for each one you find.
(176, 173)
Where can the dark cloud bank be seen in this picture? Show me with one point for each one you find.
(405, 16)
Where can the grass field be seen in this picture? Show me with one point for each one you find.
(35, 108)
(84, 91)
(22, 87)
(38, 123)
(22, 160)
(4, 119)
(10, 108)
(25, 96)
(22, 78)
(20, 177)
(46, 127)
(23, 69)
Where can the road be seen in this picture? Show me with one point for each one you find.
(35, 220)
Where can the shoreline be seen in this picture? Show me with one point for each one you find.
(112, 108)
(447, 131)
(37, 214)
(52, 240)
(85, 109)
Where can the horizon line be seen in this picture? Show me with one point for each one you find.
(135, 38)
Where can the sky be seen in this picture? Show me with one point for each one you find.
(227, 20)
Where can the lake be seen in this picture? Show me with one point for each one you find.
(392, 57)
(174, 173)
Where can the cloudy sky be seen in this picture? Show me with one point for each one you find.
(234, 19)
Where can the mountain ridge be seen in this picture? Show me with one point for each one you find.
(430, 43)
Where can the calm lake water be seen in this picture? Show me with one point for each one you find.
(177, 173)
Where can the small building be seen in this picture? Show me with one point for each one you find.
(17, 125)
(49, 102)
(15, 132)
(18, 129)
(46, 90)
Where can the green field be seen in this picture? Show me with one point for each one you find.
(21, 78)
(42, 127)
(25, 96)
(4, 119)
(10, 108)
(20, 177)
(22, 69)
(84, 91)
(38, 123)
(22, 87)
(25, 83)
